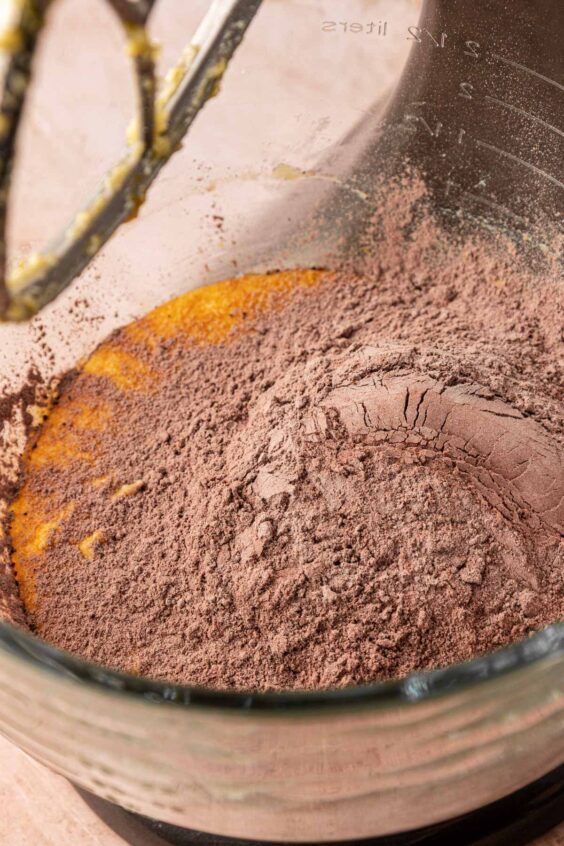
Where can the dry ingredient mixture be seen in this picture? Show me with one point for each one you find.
(308, 479)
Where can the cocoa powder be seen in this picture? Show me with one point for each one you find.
(364, 482)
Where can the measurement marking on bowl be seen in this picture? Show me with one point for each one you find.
(433, 132)
(521, 161)
(498, 206)
(528, 70)
(513, 108)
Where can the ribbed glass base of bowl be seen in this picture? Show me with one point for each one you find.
(515, 820)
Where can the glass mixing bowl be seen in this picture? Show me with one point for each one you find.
(316, 105)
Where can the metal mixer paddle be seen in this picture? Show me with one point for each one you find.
(164, 114)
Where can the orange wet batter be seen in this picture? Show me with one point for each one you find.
(209, 315)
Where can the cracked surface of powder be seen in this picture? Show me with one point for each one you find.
(362, 482)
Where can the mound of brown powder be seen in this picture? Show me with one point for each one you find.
(366, 483)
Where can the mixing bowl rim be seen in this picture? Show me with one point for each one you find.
(417, 687)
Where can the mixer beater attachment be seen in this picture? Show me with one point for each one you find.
(164, 114)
